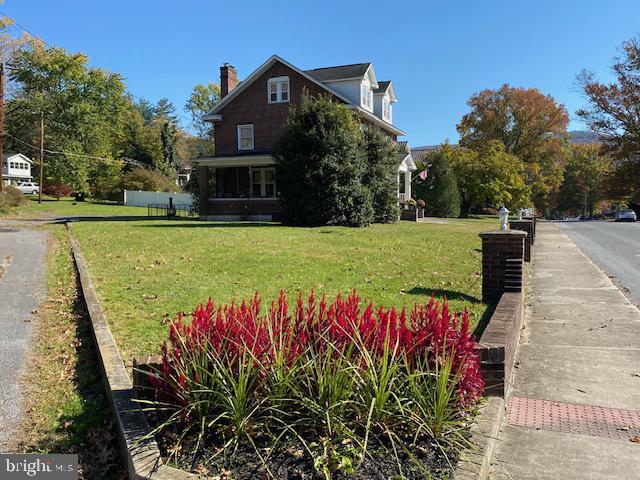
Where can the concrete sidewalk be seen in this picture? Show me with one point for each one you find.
(580, 347)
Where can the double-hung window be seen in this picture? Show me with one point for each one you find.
(278, 90)
(263, 182)
(366, 95)
(245, 137)
(386, 110)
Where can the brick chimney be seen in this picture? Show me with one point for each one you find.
(228, 79)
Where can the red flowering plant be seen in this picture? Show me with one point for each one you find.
(333, 374)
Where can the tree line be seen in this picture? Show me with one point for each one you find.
(98, 137)
(515, 149)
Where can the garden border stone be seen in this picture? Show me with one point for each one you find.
(139, 448)
(474, 462)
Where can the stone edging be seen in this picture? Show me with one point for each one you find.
(474, 462)
(142, 456)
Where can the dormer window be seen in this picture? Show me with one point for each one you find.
(386, 110)
(278, 90)
(366, 96)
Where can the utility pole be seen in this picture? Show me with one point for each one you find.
(2, 125)
(41, 156)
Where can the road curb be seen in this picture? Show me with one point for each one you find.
(138, 445)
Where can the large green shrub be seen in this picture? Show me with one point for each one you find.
(148, 180)
(440, 189)
(107, 179)
(381, 177)
(11, 197)
(321, 166)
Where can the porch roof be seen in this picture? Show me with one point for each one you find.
(234, 161)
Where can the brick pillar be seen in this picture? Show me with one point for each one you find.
(535, 222)
(144, 368)
(203, 188)
(525, 226)
(502, 257)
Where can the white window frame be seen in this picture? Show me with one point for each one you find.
(263, 181)
(366, 95)
(240, 127)
(279, 83)
(386, 109)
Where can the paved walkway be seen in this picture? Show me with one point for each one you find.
(580, 348)
(22, 288)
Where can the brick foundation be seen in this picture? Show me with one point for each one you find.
(412, 214)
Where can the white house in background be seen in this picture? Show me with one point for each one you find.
(16, 168)
(407, 166)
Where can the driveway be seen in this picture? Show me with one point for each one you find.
(614, 247)
(22, 289)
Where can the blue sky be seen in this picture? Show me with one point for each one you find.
(438, 53)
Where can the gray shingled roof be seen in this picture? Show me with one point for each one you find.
(382, 86)
(340, 72)
(418, 153)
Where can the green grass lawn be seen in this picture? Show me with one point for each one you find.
(147, 271)
(50, 207)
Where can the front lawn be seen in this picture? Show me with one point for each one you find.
(67, 207)
(145, 272)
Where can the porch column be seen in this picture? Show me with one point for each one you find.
(203, 187)
(407, 184)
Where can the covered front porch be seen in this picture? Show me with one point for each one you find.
(238, 188)
(405, 169)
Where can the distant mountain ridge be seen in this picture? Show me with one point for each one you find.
(577, 137)
(584, 137)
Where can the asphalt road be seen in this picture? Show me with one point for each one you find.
(22, 289)
(614, 247)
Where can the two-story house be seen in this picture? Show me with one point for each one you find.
(250, 118)
(16, 167)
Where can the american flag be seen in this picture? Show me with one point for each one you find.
(423, 175)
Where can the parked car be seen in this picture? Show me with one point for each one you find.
(626, 215)
(28, 187)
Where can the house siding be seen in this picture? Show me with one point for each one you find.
(251, 107)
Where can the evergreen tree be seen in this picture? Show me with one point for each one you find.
(165, 111)
(321, 166)
(170, 159)
(440, 189)
(381, 176)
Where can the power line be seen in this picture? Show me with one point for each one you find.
(179, 115)
(129, 161)
(23, 29)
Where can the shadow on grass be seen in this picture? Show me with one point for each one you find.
(206, 224)
(484, 321)
(449, 294)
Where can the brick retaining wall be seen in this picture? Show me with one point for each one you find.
(499, 342)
